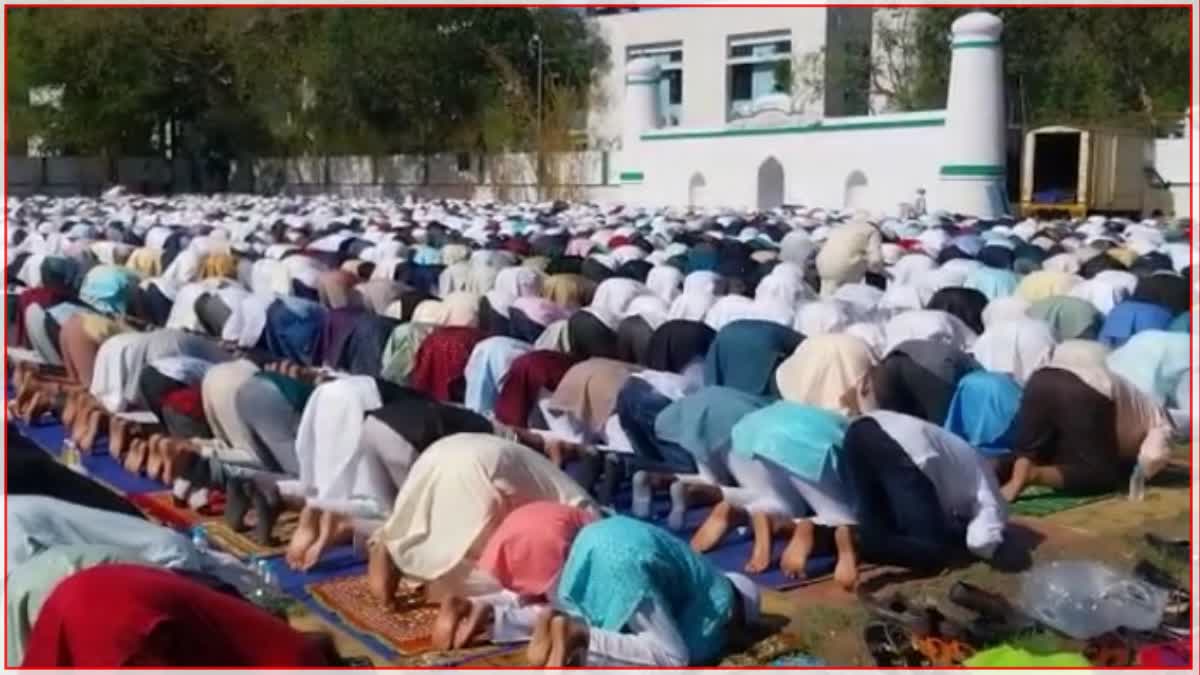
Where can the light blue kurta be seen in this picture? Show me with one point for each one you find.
(617, 563)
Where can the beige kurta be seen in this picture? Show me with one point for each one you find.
(458, 491)
(847, 254)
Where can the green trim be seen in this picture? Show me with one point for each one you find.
(631, 176)
(816, 127)
(988, 170)
(641, 80)
(975, 44)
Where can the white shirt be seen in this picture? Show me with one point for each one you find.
(965, 485)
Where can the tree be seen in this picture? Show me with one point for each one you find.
(275, 79)
(1085, 65)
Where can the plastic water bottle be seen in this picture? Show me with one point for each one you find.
(199, 538)
(265, 591)
(1137, 484)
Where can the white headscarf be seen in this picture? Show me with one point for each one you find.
(821, 318)
(1017, 347)
(665, 281)
(698, 297)
(513, 283)
(928, 324)
(1004, 309)
(612, 297)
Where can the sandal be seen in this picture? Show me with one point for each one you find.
(891, 646)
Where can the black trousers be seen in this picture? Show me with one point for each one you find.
(153, 386)
(900, 520)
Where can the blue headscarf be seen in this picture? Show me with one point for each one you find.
(1154, 361)
(427, 255)
(993, 282)
(745, 354)
(293, 329)
(1181, 323)
(703, 421)
(982, 411)
(106, 287)
(801, 438)
(1131, 317)
(486, 368)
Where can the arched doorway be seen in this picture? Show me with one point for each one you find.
(856, 190)
(770, 184)
(696, 185)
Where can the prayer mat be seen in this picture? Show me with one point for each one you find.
(734, 550)
(243, 545)
(471, 656)
(338, 561)
(406, 629)
(1038, 502)
(160, 507)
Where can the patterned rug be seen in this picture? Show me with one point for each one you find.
(407, 629)
(1038, 502)
(160, 507)
(243, 545)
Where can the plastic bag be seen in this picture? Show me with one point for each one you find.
(1084, 599)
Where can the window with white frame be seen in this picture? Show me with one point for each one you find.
(756, 66)
(669, 57)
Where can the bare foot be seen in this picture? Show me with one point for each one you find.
(332, 529)
(35, 405)
(382, 576)
(760, 555)
(475, 627)
(118, 433)
(794, 561)
(568, 642)
(95, 420)
(445, 628)
(306, 533)
(155, 457)
(77, 425)
(177, 456)
(846, 571)
(68, 412)
(538, 651)
(136, 456)
(1011, 491)
(714, 528)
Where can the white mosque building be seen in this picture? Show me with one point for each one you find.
(689, 134)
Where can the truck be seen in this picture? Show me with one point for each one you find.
(1074, 172)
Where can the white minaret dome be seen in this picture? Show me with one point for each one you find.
(972, 175)
(977, 25)
(642, 69)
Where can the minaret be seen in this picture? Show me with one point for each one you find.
(641, 114)
(972, 176)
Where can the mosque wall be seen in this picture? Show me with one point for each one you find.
(872, 163)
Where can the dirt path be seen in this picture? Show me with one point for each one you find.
(828, 622)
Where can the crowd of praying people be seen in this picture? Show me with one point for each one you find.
(467, 391)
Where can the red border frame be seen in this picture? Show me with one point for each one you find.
(1192, 113)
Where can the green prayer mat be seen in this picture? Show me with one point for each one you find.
(1039, 501)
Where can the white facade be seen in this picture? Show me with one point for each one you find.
(713, 57)
(868, 162)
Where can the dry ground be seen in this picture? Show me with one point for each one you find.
(827, 622)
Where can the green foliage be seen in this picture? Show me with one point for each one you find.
(784, 81)
(279, 79)
(1083, 65)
